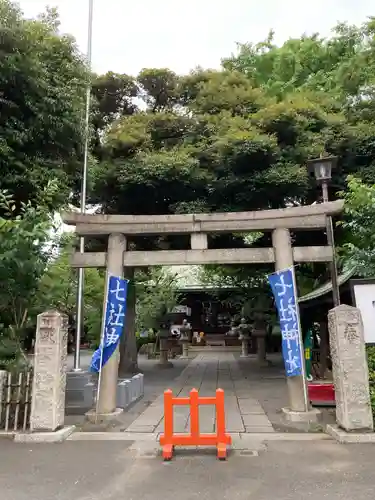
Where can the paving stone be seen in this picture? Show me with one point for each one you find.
(206, 373)
(260, 429)
(256, 420)
(250, 408)
(244, 395)
(140, 428)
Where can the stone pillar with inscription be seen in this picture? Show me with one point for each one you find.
(49, 381)
(350, 370)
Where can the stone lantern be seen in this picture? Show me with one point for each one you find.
(244, 330)
(185, 335)
(164, 334)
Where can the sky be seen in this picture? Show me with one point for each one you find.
(181, 35)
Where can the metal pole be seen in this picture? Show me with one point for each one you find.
(81, 276)
(331, 243)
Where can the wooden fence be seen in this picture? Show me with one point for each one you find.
(15, 400)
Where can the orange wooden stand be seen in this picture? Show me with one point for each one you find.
(169, 440)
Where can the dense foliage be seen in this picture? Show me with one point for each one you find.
(239, 138)
(42, 83)
(233, 139)
(26, 241)
(359, 223)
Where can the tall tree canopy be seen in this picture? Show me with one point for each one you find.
(42, 89)
(342, 65)
(239, 138)
(233, 139)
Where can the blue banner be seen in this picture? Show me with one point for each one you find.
(283, 288)
(114, 314)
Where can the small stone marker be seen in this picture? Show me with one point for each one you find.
(350, 370)
(3, 379)
(49, 381)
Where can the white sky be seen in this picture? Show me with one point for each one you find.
(181, 34)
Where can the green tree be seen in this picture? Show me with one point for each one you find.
(239, 138)
(42, 89)
(112, 97)
(158, 88)
(148, 293)
(359, 224)
(342, 64)
(155, 289)
(26, 242)
(58, 290)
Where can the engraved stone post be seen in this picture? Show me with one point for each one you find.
(48, 395)
(350, 371)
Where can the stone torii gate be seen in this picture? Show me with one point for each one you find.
(279, 222)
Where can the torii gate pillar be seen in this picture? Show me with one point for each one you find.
(109, 376)
(284, 259)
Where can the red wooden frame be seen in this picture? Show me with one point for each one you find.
(169, 440)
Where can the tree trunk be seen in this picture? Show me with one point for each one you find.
(128, 345)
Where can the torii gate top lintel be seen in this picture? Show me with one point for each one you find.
(279, 221)
(299, 218)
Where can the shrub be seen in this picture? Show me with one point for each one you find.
(144, 340)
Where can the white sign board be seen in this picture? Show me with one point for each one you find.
(182, 310)
(364, 295)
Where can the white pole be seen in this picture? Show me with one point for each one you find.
(81, 276)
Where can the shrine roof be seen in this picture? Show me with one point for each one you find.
(327, 287)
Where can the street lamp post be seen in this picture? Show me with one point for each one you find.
(81, 276)
(322, 170)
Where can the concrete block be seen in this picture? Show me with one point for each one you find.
(89, 395)
(77, 380)
(142, 379)
(312, 416)
(98, 418)
(45, 437)
(128, 391)
(79, 395)
(80, 400)
(123, 394)
(350, 437)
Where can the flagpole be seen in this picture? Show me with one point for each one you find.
(302, 351)
(81, 276)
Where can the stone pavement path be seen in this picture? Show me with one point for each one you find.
(208, 372)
